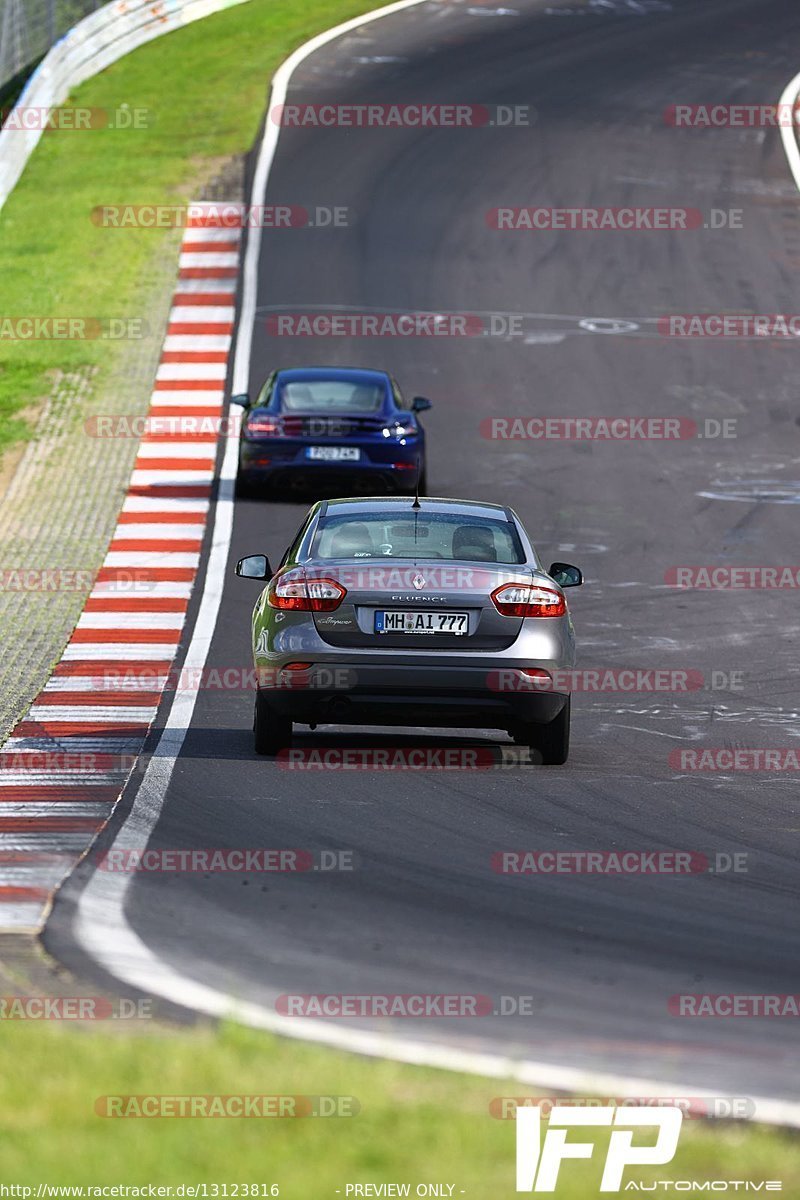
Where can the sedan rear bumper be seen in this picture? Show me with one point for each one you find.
(439, 696)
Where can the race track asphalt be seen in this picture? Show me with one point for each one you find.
(423, 911)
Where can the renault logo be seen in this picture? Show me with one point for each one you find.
(418, 582)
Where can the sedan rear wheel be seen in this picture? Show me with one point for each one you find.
(550, 741)
(272, 731)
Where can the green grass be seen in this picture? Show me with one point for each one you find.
(204, 90)
(413, 1125)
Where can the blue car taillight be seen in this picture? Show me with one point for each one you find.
(263, 427)
(400, 430)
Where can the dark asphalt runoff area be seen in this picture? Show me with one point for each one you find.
(595, 958)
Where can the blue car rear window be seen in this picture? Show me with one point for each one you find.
(330, 396)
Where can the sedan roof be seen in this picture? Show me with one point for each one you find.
(376, 504)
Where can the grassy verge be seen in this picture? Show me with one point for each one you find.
(201, 92)
(413, 1126)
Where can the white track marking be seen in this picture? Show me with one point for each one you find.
(789, 132)
(101, 926)
(108, 714)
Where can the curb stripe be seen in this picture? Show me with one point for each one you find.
(202, 298)
(55, 730)
(213, 327)
(194, 356)
(155, 544)
(136, 604)
(51, 825)
(98, 667)
(8, 893)
(185, 385)
(221, 246)
(58, 793)
(146, 574)
(66, 762)
(127, 635)
(208, 273)
(107, 697)
(164, 491)
(174, 518)
(174, 464)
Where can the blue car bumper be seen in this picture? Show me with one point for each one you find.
(298, 462)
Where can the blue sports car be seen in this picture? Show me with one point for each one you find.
(326, 427)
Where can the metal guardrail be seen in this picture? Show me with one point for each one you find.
(93, 44)
(28, 28)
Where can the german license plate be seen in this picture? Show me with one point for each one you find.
(334, 453)
(418, 621)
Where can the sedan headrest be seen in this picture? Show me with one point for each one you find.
(352, 538)
(474, 542)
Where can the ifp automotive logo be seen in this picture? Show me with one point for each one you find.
(539, 1162)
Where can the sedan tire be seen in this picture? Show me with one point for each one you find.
(550, 741)
(272, 731)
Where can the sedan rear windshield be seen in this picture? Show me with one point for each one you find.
(330, 395)
(424, 535)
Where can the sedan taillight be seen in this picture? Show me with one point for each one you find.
(294, 592)
(528, 600)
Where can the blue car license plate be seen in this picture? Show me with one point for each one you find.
(333, 453)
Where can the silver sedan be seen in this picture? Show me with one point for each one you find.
(432, 612)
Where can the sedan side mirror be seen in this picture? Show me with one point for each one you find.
(255, 566)
(420, 404)
(565, 574)
(242, 399)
